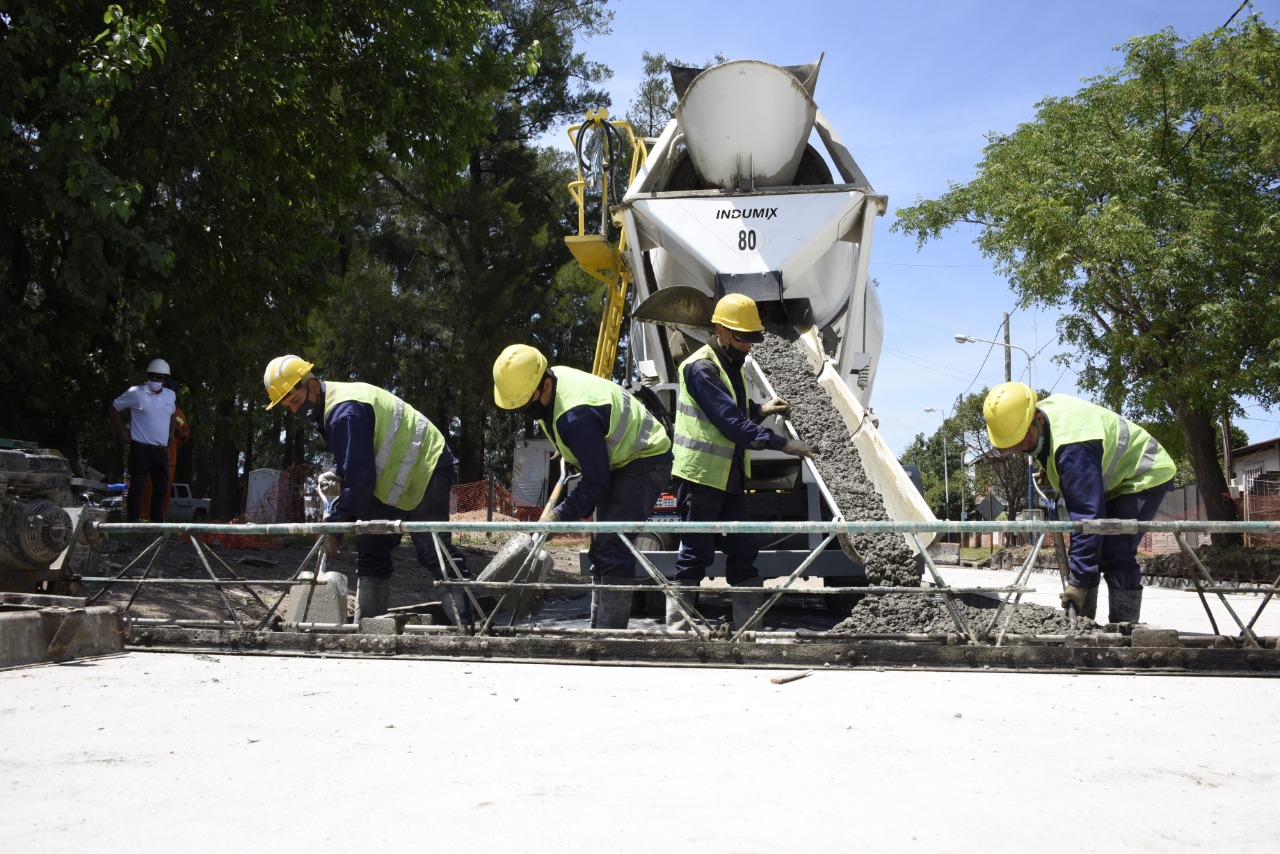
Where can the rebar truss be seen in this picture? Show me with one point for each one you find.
(991, 645)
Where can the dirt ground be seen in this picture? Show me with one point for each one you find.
(410, 585)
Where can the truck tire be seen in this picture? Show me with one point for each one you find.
(654, 602)
(200, 515)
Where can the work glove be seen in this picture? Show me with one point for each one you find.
(1073, 596)
(777, 406)
(329, 485)
(799, 448)
(550, 515)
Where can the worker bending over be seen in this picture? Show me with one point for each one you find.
(716, 428)
(389, 462)
(1104, 467)
(623, 452)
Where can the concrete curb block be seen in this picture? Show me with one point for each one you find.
(39, 635)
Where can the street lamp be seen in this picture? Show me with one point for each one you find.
(946, 473)
(961, 338)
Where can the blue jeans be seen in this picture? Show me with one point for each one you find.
(701, 503)
(633, 490)
(373, 551)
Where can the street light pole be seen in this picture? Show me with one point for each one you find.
(961, 338)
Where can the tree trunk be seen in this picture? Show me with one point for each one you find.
(1202, 451)
(470, 445)
(224, 486)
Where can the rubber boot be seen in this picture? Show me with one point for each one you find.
(1124, 606)
(676, 621)
(611, 609)
(746, 604)
(1090, 603)
(371, 597)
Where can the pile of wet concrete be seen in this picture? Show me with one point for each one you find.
(896, 613)
(889, 561)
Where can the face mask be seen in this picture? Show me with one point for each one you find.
(536, 410)
(307, 411)
(1039, 442)
(733, 355)
(154, 386)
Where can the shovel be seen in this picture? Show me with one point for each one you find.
(519, 559)
(1064, 566)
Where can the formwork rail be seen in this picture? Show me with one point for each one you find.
(988, 645)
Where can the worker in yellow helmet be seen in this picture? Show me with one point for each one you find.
(389, 462)
(623, 452)
(717, 426)
(1104, 467)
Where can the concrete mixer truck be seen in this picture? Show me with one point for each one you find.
(749, 189)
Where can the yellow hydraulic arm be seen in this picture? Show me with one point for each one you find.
(594, 253)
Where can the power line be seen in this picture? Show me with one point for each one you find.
(948, 266)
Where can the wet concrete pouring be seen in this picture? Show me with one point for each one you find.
(889, 561)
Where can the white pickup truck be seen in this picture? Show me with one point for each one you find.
(184, 508)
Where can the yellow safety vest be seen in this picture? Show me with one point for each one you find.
(406, 446)
(702, 453)
(633, 431)
(1132, 460)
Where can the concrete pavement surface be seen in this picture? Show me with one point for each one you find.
(160, 752)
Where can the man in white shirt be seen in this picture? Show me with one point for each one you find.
(152, 408)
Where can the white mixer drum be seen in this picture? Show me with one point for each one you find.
(746, 119)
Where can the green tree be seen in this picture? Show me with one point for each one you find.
(654, 102)
(1145, 207)
(179, 181)
(450, 275)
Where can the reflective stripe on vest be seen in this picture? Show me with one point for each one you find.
(702, 453)
(633, 432)
(406, 445)
(1132, 460)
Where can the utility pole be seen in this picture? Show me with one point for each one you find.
(1008, 352)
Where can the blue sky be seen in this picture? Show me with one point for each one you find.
(913, 88)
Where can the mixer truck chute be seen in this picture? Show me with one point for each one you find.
(738, 195)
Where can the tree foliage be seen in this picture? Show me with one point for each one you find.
(449, 275)
(179, 181)
(1145, 207)
(654, 102)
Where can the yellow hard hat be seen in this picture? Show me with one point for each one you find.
(283, 373)
(1008, 411)
(517, 372)
(738, 312)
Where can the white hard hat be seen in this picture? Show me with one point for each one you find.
(158, 366)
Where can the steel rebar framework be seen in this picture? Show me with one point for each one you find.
(968, 646)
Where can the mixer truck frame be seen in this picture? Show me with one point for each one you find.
(738, 195)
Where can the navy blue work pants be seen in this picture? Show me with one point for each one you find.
(373, 551)
(633, 490)
(1118, 558)
(701, 503)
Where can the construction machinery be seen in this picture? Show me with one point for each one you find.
(750, 190)
(44, 542)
